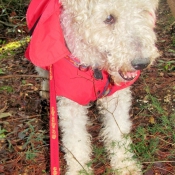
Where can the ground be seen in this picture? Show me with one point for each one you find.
(24, 134)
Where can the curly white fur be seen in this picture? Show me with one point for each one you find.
(112, 47)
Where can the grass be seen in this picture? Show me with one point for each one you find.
(8, 89)
(2, 133)
(99, 157)
(158, 137)
(167, 66)
(31, 138)
(1, 72)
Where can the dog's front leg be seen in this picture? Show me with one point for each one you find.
(73, 120)
(116, 127)
(44, 93)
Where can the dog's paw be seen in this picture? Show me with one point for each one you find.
(44, 93)
(129, 171)
(132, 169)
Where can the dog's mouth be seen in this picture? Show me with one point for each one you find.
(128, 76)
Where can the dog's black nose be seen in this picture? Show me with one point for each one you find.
(140, 63)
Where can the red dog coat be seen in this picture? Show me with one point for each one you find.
(47, 46)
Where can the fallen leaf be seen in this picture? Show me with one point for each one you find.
(152, 120)
(4, 115)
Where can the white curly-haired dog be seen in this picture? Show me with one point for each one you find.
(115, 36)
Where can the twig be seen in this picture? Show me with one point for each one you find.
(8, 24)
(163, 161)
(112, 114)
(22, 119)
(165, 170)
(138, 112)
(4, 108)
(19, 76)
(73, 157)
(114, 120)
(163, 140)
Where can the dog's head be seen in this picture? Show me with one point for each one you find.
(117, 35)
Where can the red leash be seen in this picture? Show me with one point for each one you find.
(54, 142)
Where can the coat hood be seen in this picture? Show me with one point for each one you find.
(47, 44)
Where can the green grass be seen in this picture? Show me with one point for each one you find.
(31, 140)
(8, 89)
(2, 133)
(99, 157)
(1, 72)
(166, 66)
(158, 136)
(31, 154)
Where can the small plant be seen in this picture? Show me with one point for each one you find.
(99, 154)
(1, 72)
(167, 66)
(2, 133)
(8, 89)
(44, 171)
(31, 154)
(32, 140)
(158, 136)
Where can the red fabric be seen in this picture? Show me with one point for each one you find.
(34, 11)
(81, 86)
(47, 44)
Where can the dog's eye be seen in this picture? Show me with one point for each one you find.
(109, 20)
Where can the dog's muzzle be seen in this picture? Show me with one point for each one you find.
(140, 63)
(137, 64)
